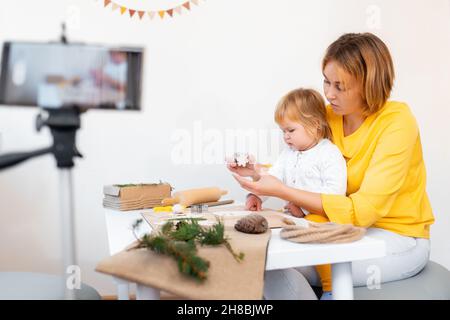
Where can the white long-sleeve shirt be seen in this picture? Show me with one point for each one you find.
(321, 169)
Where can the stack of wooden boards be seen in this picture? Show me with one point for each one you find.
(135, 196)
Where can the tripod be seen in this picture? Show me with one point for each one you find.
(63, 124)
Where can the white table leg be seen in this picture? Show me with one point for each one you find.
(342, 281)
(123, 289)
(147, 293)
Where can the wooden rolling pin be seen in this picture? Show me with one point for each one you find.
(195, 196)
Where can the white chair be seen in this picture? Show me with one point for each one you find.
(39, 286)
(432, 283)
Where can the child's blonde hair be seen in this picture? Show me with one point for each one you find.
(306, 106)
(367, 58)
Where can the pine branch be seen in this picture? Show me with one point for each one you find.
(216, 236)
(179, 241)
(184, 252)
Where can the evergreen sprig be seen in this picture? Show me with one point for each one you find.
(180, 241)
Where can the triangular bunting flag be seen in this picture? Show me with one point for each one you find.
(178, 9)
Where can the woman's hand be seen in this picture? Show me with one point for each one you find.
(294, 210)
(253, 203)
(266, 185)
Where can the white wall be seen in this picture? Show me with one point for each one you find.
(222, 66)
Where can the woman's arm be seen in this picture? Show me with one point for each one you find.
(308, 200)
(334, 171)
(383, 179)
(271, 186)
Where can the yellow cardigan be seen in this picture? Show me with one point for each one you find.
(386, 174)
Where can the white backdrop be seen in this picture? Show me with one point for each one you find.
(220, 67)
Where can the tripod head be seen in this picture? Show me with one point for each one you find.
(63, 124)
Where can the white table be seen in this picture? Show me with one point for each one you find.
(281, 254)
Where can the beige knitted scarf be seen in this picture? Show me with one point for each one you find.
(322, 233)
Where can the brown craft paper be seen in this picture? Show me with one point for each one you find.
(227, 278)
(139, 192)
(134, 197)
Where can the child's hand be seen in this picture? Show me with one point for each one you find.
(250, 169)
(253, 203)
(294, 210)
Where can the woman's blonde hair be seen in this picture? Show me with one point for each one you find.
(367, 58)
(306, 106)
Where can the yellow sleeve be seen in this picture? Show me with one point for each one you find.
(384, 176)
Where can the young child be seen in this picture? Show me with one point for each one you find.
(311, 162)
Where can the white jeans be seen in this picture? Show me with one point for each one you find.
(405, 257)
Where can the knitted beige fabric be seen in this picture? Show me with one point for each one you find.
(322, 233)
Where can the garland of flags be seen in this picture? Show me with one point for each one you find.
(131, 13)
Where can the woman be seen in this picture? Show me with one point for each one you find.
(386, 172)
